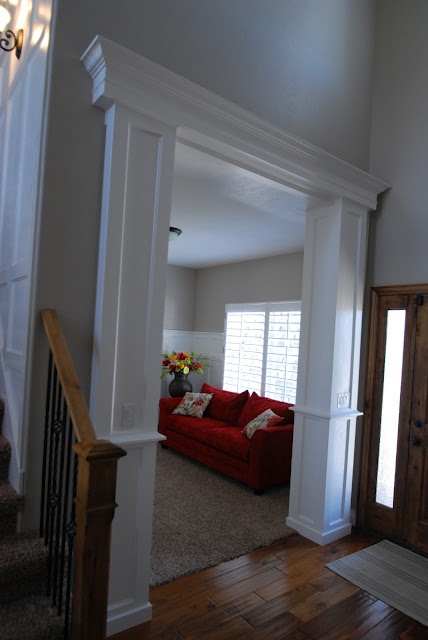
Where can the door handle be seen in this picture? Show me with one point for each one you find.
(416, 441)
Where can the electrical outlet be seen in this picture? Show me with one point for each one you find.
(343, 400)
(128, 416)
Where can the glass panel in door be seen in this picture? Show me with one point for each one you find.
(392, 378)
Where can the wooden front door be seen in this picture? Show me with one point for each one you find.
(394, 463)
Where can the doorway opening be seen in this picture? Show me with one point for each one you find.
(229, 217)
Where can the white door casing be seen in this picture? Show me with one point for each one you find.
(147, 108)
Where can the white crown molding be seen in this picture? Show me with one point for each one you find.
(123, 76)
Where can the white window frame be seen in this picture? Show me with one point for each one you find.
(266, 308)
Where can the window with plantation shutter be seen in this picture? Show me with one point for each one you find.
(262, 349)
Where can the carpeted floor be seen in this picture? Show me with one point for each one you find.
(202, 518)
(25, 611)
(393, 574)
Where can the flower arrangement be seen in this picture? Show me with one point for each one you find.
(182, 362)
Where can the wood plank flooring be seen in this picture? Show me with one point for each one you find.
(281, 592)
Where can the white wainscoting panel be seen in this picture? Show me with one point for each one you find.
(22, 94)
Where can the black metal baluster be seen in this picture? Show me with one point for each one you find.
(60, 433)
(71, 534)
(45, 445)
(58, 493)
(65, 508)
(51, 449)
(52, 411)
(53, 497)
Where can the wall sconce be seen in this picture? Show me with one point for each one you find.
(174, 232)
(8, 40)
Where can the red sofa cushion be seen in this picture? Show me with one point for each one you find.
(233, 442)
(224, 405)
(210, 431)
(256, 404)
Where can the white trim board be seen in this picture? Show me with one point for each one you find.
(208, 121)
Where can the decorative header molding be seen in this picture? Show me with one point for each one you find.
(205, 119)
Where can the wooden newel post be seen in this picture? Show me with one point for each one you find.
(95, 506)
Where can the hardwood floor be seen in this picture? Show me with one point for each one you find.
(281, 592)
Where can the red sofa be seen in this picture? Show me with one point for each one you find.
(216, 440)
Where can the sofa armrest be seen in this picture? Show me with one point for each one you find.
(166, 407)
(270, 456)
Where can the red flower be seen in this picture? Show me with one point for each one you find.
(185, 362)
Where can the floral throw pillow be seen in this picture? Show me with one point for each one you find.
(266, 419)
(193, 404)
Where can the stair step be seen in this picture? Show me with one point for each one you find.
(31, 618)
(10, 503)
(24, 611)
(23, 566)
(5, 453)
(1, 413)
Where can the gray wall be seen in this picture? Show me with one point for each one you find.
(302, 64)
(268, 279)
(399, 144)
(399, 154)
(305, 66)
(180, 298)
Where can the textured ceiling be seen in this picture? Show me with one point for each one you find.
(228, 214)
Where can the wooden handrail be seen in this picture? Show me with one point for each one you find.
(76, 403)
(95, 496)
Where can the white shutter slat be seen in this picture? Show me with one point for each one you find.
(243, 350)
(248, 358)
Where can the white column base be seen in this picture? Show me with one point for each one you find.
(320, 537)
(130, 560)
(126, 617)
(321, 475)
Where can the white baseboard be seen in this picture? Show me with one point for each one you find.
(118, 621)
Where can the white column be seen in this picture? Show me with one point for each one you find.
(326, 411)
(138, 173)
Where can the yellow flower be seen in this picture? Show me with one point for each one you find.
(182, 362)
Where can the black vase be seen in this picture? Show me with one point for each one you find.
(179, 385)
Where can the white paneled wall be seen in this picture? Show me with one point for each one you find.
(209, 345)
(22, 93)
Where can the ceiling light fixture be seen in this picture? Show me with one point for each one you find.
(8, 40)
(174, 232)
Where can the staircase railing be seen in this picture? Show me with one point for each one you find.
(78, 497)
